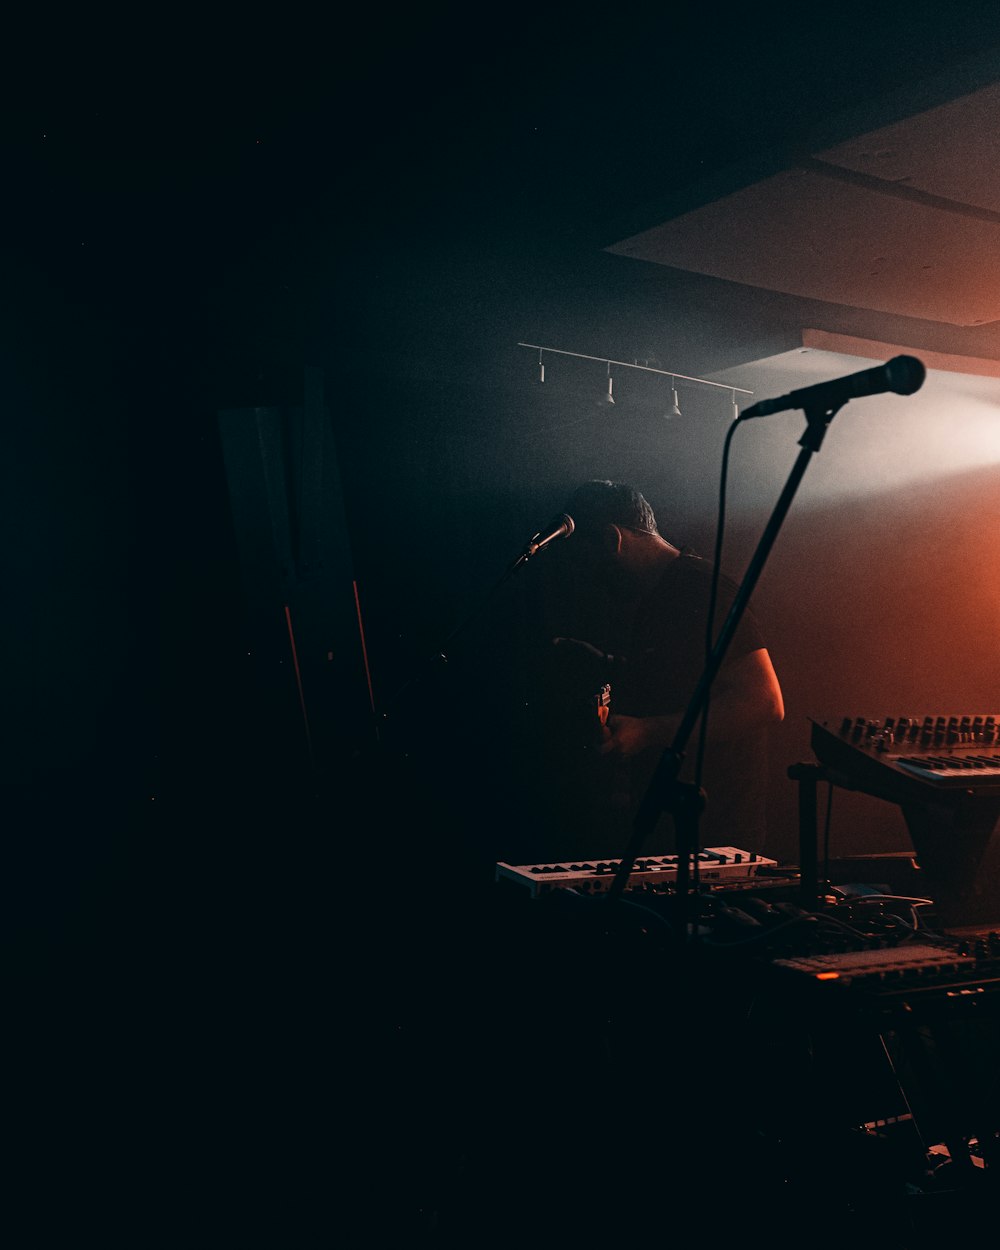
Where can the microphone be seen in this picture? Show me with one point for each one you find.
(559, 527)
(902, 374)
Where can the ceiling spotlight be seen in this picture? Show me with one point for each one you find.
(541, 368)
(609, 398)
(674, 409)
(736, 408)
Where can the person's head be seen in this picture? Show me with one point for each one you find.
(596, 504)
(615, 534)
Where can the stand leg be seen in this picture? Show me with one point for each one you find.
(807, 775)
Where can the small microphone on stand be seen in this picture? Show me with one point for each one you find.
(559, 527)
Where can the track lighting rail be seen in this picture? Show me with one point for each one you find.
(627, 364)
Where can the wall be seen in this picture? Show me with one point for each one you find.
(878, 596)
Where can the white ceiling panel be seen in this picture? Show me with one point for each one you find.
(952, 151)
(805, 234)
(902, 219)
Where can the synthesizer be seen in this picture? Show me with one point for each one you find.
(715, 865)
(911, 754)
(906, 981)
(912, 964)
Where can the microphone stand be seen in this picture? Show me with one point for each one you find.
(441, 656)
(487, 599)
(665, 793)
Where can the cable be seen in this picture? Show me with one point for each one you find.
(710, 622)
(827, 823)
(891, 898)
(720, 528)
(764, 934)
(662, 920)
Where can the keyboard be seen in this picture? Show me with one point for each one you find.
(715, 864)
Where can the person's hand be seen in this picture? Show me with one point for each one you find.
(583, 664)
(629, 736)
(624, 737)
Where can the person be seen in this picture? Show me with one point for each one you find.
(645, 603)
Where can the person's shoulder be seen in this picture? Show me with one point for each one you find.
(696, 572)
(687, 576)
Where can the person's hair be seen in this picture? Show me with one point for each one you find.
(598, 503)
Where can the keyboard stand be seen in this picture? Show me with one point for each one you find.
(954, 836)
(808, 777)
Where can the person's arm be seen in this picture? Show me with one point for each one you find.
(745, 698)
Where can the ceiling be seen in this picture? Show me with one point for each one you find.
(895, 220)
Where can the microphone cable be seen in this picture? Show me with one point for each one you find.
(712, 602)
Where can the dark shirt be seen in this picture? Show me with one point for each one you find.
(668, 643)
(592, 800)
(665, 659)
